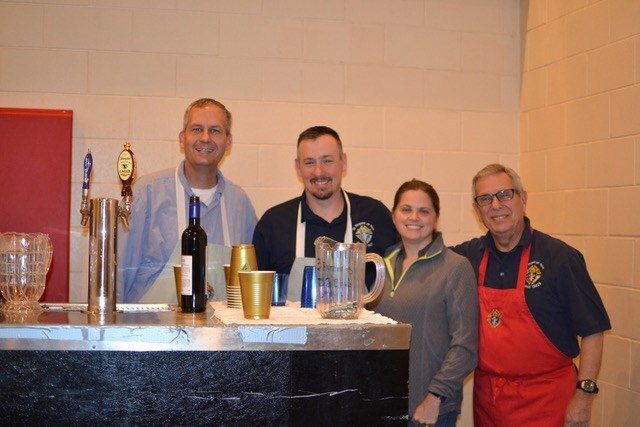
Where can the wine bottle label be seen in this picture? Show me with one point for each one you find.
(186, 278)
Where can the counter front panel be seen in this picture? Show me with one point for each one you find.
(165, 367)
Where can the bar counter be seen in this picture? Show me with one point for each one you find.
(152, 364)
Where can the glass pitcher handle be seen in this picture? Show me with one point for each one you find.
(378, 284)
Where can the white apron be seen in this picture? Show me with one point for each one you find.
(163, 289)
(297, 269)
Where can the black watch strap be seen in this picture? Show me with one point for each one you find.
(439, 397)
(588, 386)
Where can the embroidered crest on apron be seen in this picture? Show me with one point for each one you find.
(522, 379)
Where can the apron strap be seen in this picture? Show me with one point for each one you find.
(301, 228)
(182, 218)
(522, 267)
(180, 205)
(225, 224)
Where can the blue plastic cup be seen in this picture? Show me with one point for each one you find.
(308, 297)
(280, 285)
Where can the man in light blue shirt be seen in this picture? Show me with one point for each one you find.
(151, 247)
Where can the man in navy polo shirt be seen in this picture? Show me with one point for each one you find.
(536, 298)
(284, 236)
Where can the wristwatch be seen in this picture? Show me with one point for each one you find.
(588, 386)
(439, 397)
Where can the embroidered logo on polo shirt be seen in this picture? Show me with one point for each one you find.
(534, 275)
(494, 318)
(364, 232)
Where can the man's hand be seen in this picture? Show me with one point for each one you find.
(579, 410)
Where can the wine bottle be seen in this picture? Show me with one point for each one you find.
(194, 262)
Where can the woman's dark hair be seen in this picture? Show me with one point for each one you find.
(416, 184)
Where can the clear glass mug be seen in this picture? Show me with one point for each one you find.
(341, 290)
(25, 259)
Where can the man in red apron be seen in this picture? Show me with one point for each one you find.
(536, 298)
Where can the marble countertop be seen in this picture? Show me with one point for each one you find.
(163, 327)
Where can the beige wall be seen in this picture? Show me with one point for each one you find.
(417, 88)
(580, 158)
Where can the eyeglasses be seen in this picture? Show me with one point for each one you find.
(502, 196)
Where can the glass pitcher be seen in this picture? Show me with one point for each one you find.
(24, 263)
(341, 291)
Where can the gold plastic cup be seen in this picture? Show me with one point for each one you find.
(234, 299)
(227, 268)
(243, 258)
(177, 275)
(256, 288)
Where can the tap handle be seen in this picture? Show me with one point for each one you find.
(84, 206)
(126, 169)
(126, 172)
(88, 164)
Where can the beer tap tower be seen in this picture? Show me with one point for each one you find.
(103, 232)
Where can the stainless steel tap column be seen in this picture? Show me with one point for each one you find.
(102, 255)
(103, 235)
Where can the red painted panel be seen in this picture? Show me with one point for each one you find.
(35, 184)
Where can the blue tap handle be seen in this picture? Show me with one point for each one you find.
(88, 163)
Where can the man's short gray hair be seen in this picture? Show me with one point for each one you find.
(494, 169)
(206, 102)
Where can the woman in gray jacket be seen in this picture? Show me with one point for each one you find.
(434, 290)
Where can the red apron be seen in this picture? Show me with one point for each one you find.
(522, 379)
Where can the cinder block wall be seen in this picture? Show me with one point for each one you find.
(416, 88)
(580, 157)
